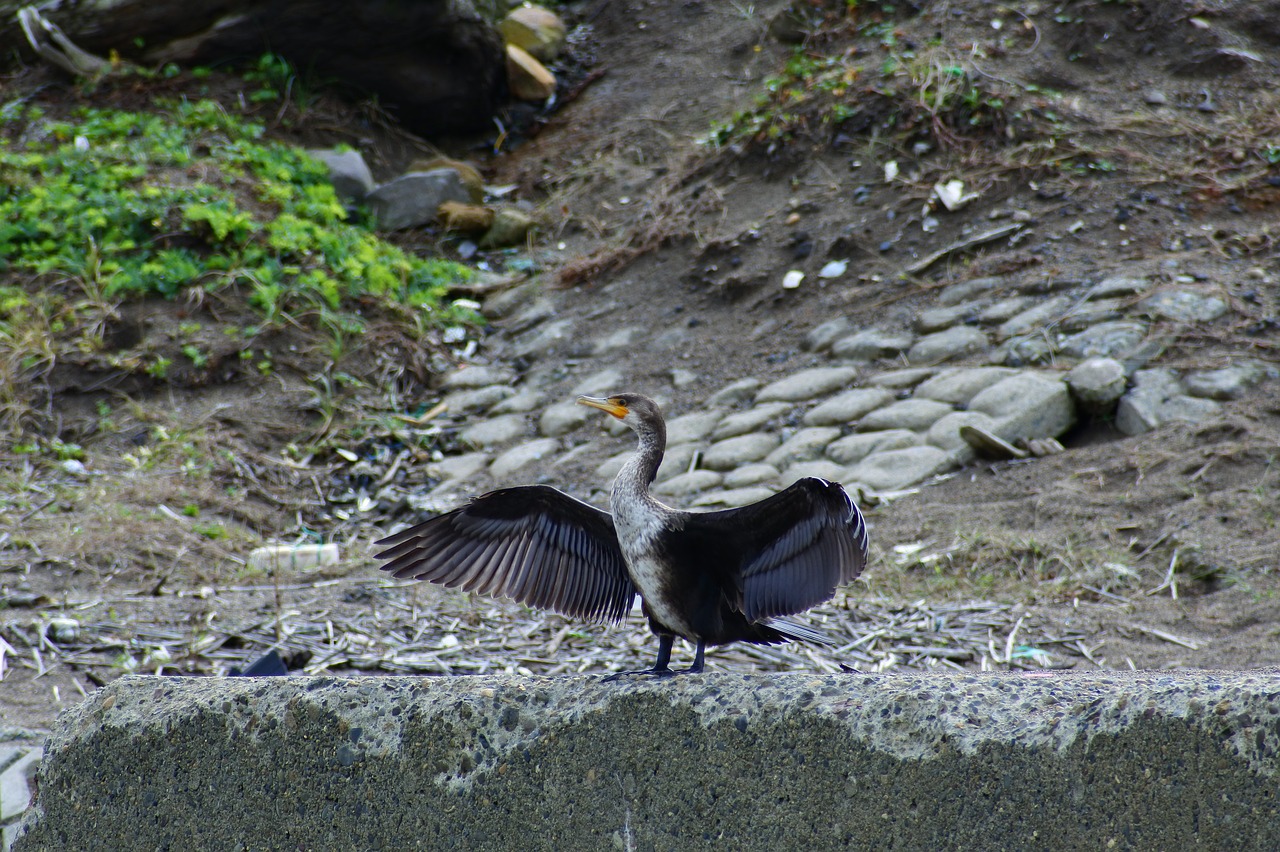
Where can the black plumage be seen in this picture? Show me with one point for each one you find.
(711, 577)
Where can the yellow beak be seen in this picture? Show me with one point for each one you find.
(618, 411)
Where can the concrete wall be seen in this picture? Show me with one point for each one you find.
(992, 761)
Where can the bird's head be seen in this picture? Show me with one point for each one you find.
(639, 412)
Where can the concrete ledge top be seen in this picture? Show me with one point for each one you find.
(752, 761)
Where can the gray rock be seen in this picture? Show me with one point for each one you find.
(473, 377)
(817, 468)
(937, 319)
(1088, 314)
(1028, 405)
(618, 340)
(533, 312)
(1185, 305)
(608, 469)
(967, 290)
(1036, 317)
(750, 420)
(563, 417)
(820, 337)
(677, 461)
(508, 302)
(600, 383)
(692, 427)
(902, 379)
(460, 467)
(1025, 351)
(522, 456)
(945, 433)
(735, 497)
(854, 448)
(871, 344)
(1156, 399)
(1097, 384)
(1005, 309)
(495, 431)
(681, 379)
(1116, 286)
(1106, 340)
(348, 172)
(522, 402)
(893, 470)
(808, 384)
(804, 445)
(581, 454)
(541, 340)
(750, 474)
(958, 386)
(915, 415)
(743, 390)
(945, 345)
(413, 199)
(732, 452)
(477, 400)
(847, 407)
(1226, 383)
(685, 484)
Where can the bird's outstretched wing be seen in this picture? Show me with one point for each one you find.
(794, 548)
(534, 544)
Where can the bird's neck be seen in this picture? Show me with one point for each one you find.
(641, 469)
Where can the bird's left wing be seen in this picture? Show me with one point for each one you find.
(795, 547)
(533, 544)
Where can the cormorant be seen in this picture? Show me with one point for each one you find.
(711, 577)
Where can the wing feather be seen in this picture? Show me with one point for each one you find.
(533, 544)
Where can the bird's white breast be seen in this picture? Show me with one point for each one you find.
(638, 522)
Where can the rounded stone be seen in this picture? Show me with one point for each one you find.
(750, 474)
(915, 415)
(937, 319)
(1156, 399)
(852, 449)
(1107, 339)
(945, 433)
(743, 390)
(1185, 305)
(958, 386)
(804, 445)
(732, 452)
(1028, 405)
(893, 470)
(495, 431)
(522, 402)
(692, 427)
(1036, 317)
(808, 384)
(688, 483)
(677, 461)
(472, 377)
(967, 290)
(750, 420)
(1097, 383)
(816, 468)
(599, 383)
(1227, 383)
(945, 345)
(522, 456)
(735, 497)
(871, 344)
(458, 467)
(477, 400)
(847, 407)
(562, 418)
(820, 337)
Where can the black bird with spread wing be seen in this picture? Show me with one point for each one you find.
(710, 577)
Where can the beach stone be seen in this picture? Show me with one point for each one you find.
(750, 420)
(1024, 351)
(732, 452)
(902, 379)
(685, 484)
(541, 340)
(734, 393)
(847, 407)
(522, 456)
(681, 379)
(692, 427)
(470, 378)
(479, 399)
(563, 417)
(852, 449)
(676, 461)
(821, 336)
(1106, 340)
(581, 454)
(495, 431)
(807, 384)
(521, 402)
(894, 470)
(1226, 383)
(804, 445)
(608, 469)
(1005, 309)
(1185, 305)
(458, 467)
(1117, 286)
(958, 386)
(618, 340)
(871, 344)
(945, 433)
(1089, 314)
(413, 199)
(750, 474)
(1028, 405)
(915, 415)
(1035, 317)
(600, 383)
(1156, 399)
(1097, 384)
(817, 468)
(937, 319)
(735, 497)
(966, 290)
(531, 313)
(945, 345)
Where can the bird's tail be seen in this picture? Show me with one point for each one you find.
(797, 631)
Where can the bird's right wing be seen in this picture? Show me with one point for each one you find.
(534, 544)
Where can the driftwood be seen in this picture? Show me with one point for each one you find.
(436, 64)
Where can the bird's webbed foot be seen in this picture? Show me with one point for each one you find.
(653, 672)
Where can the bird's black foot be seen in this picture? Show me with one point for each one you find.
(655, 672)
